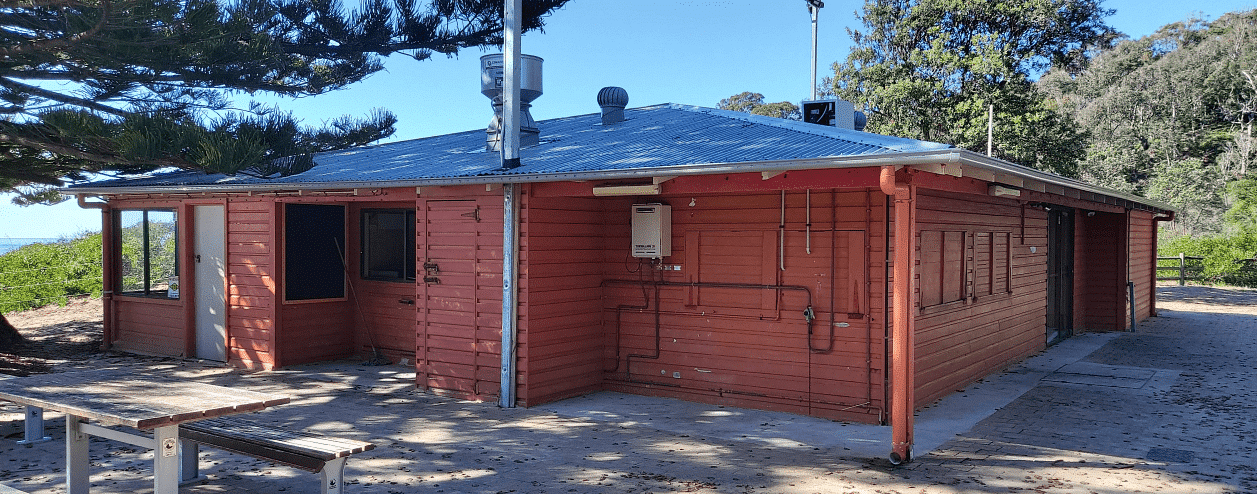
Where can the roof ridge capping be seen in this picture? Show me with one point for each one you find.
(900, 144)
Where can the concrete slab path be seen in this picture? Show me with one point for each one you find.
(1168, 408)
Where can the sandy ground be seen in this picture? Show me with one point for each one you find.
(1194, 434)
(55, 335)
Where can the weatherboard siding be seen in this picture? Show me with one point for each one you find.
(315, 331)
(149, 326)
(459, 304)
(750, 346)
(561, 264)
(959, 342)
(251, 282)
(1143, 258)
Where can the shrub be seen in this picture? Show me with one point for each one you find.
(1228, 258)
(42, 274)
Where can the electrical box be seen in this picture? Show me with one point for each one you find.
(652, 230)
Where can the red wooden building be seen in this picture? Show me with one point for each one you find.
(686, 252)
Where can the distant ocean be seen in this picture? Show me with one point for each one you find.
(9, 244)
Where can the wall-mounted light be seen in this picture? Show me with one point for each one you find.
(627, 190)
(998, 190)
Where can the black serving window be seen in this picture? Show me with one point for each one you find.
(148, 252)
(388, 244)
(314, 250)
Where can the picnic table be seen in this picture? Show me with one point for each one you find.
(137, 401)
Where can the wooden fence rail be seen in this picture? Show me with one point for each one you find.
(1181, 269)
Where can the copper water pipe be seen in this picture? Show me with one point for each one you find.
(899, 186)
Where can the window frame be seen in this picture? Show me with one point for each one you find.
(996, 269)
(149, 288)
(408, 249)
(298, 252)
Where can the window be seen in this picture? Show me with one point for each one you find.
(992, 267)
(942, 267)
(148, 252)
(388, 244)
(314, 246)
(960, 265)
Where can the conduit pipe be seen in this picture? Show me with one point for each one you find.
(510, 293)
(781, 235)
(898, 185)
(107, 272)
(809, 314)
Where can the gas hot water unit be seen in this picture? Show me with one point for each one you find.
(652, 230)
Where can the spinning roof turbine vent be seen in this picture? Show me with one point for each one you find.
(612, 100)
(492, 71)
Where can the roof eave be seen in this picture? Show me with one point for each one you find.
(946, 156)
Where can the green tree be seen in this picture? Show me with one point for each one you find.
(931, 69)
(1170, 115)
(1243, 212)
(133, 85)
(748, 102)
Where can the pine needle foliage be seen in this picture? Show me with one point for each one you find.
(134, 85)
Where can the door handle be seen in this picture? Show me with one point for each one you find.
(407, 301)
(198, 258)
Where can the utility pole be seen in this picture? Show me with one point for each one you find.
(814, 8)
(990, 129)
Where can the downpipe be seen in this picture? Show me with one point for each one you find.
(107, 274)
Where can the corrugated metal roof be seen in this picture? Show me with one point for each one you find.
(650, 137)
(661, 140)
(661, 136)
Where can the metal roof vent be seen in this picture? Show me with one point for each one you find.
(612, 100)
(492, 69)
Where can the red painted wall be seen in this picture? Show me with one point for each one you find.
(1099, 272)
(149, 325)
(750, 346)
(586, 323)
(561, 264)
(252, 274)
(459, 314)
(1143, 258)
(961, 341)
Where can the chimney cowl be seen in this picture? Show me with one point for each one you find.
(492, 73)
(612, 100)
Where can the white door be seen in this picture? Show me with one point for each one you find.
(210, 276)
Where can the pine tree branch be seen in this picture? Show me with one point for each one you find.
(55, 96)
(62, 42)
(26, 4)
(73, 152)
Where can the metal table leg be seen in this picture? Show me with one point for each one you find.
(166, 460)
(76, 475)
(34, 426)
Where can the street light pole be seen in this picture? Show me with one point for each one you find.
(814, 8)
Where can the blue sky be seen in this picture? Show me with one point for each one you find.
(660, 51)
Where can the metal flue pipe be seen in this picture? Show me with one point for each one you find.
(510, 213)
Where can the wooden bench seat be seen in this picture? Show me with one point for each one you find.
(305, 450)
